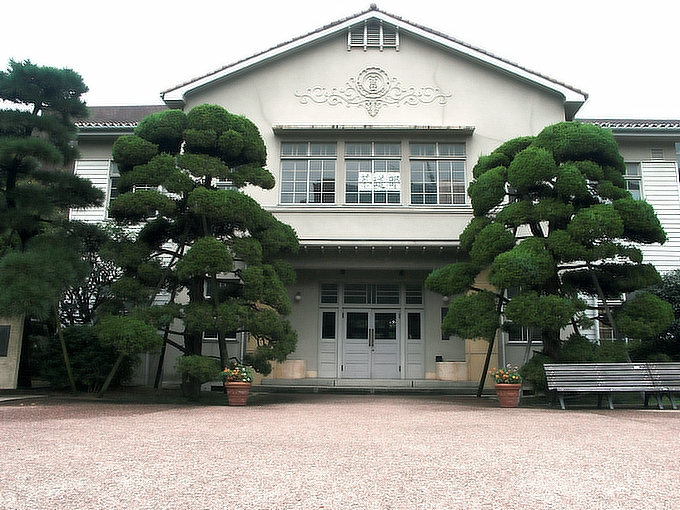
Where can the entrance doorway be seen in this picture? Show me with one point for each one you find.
(371, 345)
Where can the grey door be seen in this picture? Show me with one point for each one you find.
(371, 345)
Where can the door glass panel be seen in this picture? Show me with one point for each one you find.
(414, 326)
(357, 325)
(385, 326)
(328, 325)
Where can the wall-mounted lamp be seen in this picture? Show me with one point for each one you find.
(298, 297)
(445, 299)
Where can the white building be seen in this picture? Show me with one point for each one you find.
(352, 114)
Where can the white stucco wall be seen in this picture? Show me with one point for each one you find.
(498, 106)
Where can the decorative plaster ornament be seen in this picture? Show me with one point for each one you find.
(373, 89)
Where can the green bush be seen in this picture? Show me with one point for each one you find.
(578, 349)
(533, 372)
(203, 368)
(612, 352)
(91, 361)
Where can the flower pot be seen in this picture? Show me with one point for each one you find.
(237, 392)
(508, 394)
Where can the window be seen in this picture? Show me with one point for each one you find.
(225, 185)
(414, 295)
(114, 182)
(328, 325)
(437, 173)
(373, 34)
(380, 294)
(114, 185)
(329, 293)
(605, 331)
(522, 334)
(413, 326)
(4, 340)
(633, 179)
(211, 336)
(657, 154)
(373, 173)
(308, 173)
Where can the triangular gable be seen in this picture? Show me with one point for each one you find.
(573, 98)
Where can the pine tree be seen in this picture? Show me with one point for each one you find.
(553, 225)
(39, 253)
(191, 231)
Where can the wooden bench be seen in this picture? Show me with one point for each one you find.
(608, 378)
(666, 376)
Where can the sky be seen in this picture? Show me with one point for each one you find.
(624, 55)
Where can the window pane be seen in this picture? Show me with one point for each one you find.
(329, 293)
(322, 149)
(423, 149)
(387, 149)
(387, 294)
(633, 169)
(358, 149)
(452, 150)
(293, 149)
(414, 295)
(356, 294)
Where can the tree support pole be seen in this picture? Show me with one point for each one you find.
(161, 359)
(482, 380)
(112, 373)
(64, 351)
(492, 340)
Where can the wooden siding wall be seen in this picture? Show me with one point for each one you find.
(662, 190)
(98, 172)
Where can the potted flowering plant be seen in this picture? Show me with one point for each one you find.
(237, 379)
(508, 385)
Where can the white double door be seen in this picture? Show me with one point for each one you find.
(371, 346)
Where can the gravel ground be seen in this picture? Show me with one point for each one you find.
(335, 452)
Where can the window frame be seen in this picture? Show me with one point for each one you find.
(377, 159)
(326, 161)
(437, 192)
(630, 178)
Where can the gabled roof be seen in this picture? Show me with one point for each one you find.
(573, 98)
(115, 119)
(639, 128)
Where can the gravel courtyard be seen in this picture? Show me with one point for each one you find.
(305, 451)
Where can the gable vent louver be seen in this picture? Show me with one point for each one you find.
(657, 154)
(373, 34)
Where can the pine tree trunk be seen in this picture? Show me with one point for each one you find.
(551, 343)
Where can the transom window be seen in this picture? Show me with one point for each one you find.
(380, 294)
(308, 173)
(372, 172)
(437, 173)
(371, 294)
(633, 179)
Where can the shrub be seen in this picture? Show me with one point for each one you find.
(533, 372)
(203, 368)
(91, 361)
(578, 349)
